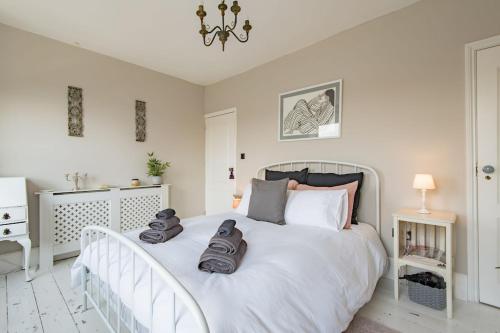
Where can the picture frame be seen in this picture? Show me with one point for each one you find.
(140, 121)
(308, 113)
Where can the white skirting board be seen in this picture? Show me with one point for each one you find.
(12, 261)
(459, 285)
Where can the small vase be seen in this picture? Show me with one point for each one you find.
(156, 180)
(135, 182)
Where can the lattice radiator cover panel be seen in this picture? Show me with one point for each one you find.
(71, 218)
(137, 212)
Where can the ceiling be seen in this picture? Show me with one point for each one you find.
(163, 34)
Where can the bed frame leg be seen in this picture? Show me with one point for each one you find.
(84, 288)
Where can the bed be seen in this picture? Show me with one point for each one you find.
(292, 278)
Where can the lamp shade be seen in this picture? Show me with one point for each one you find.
(236, 201)
(423, 182)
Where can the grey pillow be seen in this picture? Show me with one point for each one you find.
(268, 200)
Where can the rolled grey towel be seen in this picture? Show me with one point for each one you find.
(226, 244)
(213, 261)
(157, 236)
(226, 228)
(164, 224)
(165, 214)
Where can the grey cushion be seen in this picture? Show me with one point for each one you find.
(268, 200)
(300, 176)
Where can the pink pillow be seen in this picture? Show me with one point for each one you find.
(292, 184)
(351, 191)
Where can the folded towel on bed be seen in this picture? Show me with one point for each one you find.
(164, 224)
(226, 244)
(226, 228)
(165, 214)
(158, 236)
(213, 261)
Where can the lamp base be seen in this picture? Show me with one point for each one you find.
(422, 209)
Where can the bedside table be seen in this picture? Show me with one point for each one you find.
(423, 231)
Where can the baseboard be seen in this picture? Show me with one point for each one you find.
(459, 281)
(12, 261)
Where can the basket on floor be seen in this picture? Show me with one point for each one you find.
(426, 295)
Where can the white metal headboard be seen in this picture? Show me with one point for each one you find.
(369, 207)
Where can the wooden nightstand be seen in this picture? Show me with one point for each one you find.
(414, 232)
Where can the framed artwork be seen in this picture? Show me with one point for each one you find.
(311, 113)
(75, 111)
(140, 121)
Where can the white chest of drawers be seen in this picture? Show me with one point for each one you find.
(14, 215)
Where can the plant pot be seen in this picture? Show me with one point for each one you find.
(156, 180)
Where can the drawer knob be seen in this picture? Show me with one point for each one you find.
(6, 232)
(6, 216)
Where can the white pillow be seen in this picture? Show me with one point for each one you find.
(326, 209)
(245, 201)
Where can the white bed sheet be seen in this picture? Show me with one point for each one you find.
(292, 278)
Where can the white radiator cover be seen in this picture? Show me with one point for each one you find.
(63, 214)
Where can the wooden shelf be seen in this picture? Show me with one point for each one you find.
(90, 190)
(434, 217)
(423, 263)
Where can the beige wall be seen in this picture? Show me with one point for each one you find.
(34, 75)
(403, 109)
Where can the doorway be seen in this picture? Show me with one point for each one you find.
(483, 133)
(220, 161)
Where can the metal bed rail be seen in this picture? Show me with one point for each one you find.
(92, 239)
(370, 189)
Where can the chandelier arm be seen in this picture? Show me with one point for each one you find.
(235, 22)
(239, 39)
(213, 29)
(211, 41)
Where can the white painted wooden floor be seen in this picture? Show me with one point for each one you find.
(48, 304)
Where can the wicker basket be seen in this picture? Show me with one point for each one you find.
(428, 296)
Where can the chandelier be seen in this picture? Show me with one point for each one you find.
(223, 31)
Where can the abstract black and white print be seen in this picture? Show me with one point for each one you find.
(311, 113)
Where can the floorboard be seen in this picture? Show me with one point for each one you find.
(22, 310)
(86, 321)
(3, 303)
(53, 310)
(49, 304)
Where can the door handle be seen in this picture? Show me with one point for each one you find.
(6, 216)
(487, 169)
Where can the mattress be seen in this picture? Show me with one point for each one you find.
(292, 278)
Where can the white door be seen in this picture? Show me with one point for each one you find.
(220, 147)
(488, 149)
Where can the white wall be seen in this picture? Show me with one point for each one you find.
(34, 75)
(403, 103)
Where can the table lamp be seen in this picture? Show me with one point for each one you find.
(236, 201)
(423, 182)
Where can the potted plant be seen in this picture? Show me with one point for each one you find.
(156, 168)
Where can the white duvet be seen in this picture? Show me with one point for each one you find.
(292, 278)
